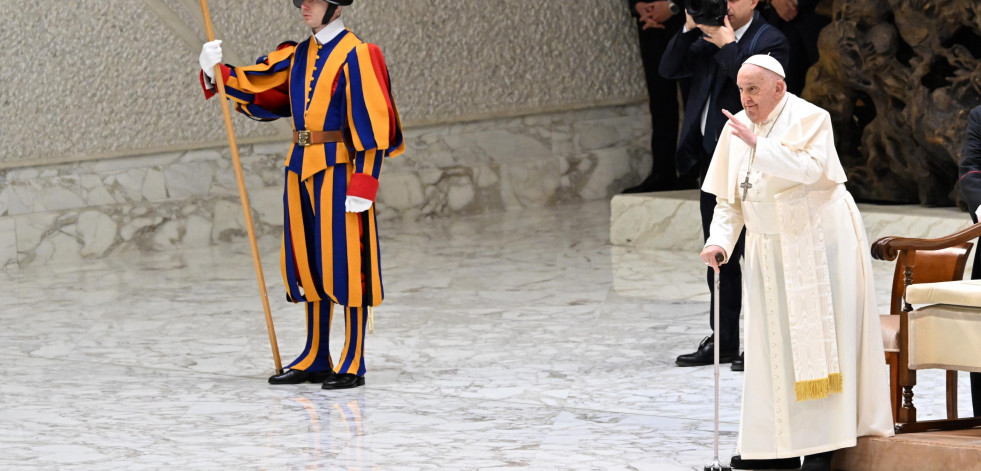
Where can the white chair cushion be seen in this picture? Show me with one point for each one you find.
(945, 337)
(956, 293)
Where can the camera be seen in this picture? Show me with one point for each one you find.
(708, 12)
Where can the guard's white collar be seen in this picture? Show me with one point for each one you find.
(330, 31)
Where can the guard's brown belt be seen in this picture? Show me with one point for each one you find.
(309, 138)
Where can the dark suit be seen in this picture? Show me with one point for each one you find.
(970, 182)
(713, 80)
(802, 34)
(663, 102)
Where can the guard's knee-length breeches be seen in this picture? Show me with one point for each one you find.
(329, 257)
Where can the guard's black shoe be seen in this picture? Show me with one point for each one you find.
(817, 462)
(300, 376)
(780, 463)
(705, 356)
(343, 381)
(737, 364)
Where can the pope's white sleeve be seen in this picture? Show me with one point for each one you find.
(798, 165)
(727, 223)
(801, 152)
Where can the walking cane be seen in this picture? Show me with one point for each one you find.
(243, 195)
(716, 466)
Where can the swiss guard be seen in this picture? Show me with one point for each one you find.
(335, 88)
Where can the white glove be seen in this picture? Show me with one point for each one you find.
(210, 57)
(356, 204)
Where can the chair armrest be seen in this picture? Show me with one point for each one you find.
(889, 247)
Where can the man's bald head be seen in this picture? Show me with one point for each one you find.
(760, 90)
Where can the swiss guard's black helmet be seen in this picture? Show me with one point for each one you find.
(342, 3)
(330, 10)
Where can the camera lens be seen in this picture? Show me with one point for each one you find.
(708, 12)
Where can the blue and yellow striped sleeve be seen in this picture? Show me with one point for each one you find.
(255, 89)
(373, 119)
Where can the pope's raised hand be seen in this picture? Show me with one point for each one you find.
(740, 130)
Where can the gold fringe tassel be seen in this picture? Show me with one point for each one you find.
(836, 382)
(371, 320)
(818, 388)
(812, 389)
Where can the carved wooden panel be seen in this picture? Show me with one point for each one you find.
(899, 77)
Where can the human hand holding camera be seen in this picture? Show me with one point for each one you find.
(689, 21)
(711, 17)
(719, 35)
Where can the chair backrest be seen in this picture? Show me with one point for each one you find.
(932, 266)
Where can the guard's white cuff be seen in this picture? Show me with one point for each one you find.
(356, 204)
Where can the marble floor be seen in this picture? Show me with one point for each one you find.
(508, 340)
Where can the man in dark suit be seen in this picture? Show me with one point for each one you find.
(657, 21)
(800, 22)
(970, 182)
(711, 57)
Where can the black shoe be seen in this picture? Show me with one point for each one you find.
(737, 364)
(343, 381)
(300, 376)
(705, 356)
(737, 462)
(817, 462)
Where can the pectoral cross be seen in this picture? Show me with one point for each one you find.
(745, 185)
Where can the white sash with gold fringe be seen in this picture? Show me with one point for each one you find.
(809, 305)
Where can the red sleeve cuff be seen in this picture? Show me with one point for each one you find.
(210, 92)
(363, 186)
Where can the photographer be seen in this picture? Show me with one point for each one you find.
(717, 38)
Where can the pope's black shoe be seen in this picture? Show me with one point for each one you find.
(343, 381)
(704, 355)
(780, 463)
(817, 462)
(300, 376)
(737, 364)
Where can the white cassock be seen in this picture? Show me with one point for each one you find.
(800, 220)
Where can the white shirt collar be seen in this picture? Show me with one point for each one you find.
(330, 31)
(739, 32)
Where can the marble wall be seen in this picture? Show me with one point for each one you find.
(182, 199)
(110, 148)
(91, 79)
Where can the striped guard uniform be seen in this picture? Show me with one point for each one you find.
(328, 256)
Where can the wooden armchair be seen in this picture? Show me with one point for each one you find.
(919, 261)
